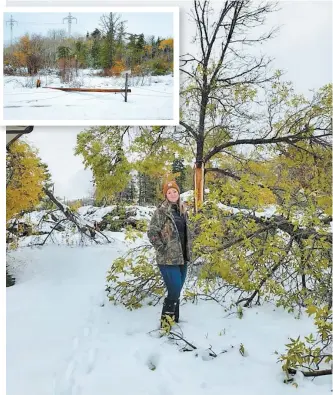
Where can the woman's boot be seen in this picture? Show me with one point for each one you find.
(168, 313)
(177, 311)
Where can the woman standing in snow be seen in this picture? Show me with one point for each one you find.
(169, 234)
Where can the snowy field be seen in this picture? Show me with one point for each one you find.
(65, 338)
(151, 98)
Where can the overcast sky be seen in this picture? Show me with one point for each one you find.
(303, 49)
(56, 146)
(157, 23)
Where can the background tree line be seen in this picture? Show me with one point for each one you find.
(109, 47)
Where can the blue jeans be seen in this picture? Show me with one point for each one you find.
(174, 277)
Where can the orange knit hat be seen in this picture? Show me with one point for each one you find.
(168, 185)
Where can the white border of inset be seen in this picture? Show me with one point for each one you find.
(79, 122)
(3, 259)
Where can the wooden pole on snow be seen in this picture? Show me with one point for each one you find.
(88, 89)
(126, 86)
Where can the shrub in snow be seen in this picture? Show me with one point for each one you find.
(47, 71)
(159, 66)
(134, 278)
(77, 82)
(28, 82)
(314, 350)
(13, 70)
(143, 80)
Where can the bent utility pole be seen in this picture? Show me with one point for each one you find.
(126, 86)
(88, 89)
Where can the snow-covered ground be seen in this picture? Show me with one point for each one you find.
(150, 98)
(65, 338)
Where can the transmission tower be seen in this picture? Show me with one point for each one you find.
(69, 19)
(11, 24)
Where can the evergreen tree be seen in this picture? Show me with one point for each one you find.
(95, 53)
(110, 24)
(140, 47)
(189, 180)
(64, 52)
(96, 34)
(156, 46)
(149, 190)
(178, 169)
(80, 53)
(131, 51)
(121, 44)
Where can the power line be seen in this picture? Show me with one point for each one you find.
(69, 19)
(41, 23)
(11, 24)
(153, 90)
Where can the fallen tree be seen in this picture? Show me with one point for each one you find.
(84, 228)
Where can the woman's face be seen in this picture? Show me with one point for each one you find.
(172, 195)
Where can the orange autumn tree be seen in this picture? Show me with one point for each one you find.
(25, 176)
(167, 43)
(118, 67)
(19, 57)
(29, 53)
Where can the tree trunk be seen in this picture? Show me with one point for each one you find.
(198, 185)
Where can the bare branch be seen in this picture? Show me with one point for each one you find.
(189, 129)
(260, 141)
(221, 171)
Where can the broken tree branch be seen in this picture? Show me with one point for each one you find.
(50, 233)
(71, 217)
(315, 373)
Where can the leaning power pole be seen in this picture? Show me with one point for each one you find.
(69, 19)
(11, 24)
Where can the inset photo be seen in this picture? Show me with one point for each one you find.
(70, 66)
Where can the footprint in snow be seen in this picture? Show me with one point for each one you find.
(92, 354)
(152, 361)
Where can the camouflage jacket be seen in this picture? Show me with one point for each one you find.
(163, 235)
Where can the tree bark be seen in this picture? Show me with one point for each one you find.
(199, 186)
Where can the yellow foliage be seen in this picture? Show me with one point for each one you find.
(76, 205)
(168, 43)
(265, 197)
(25, 179)
(25, 45)
(20, 59)
(148, 49)
(118, 67)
